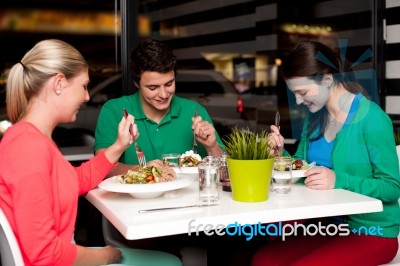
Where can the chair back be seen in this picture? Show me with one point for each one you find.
(9, 250)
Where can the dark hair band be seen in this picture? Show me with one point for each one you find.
(22, 64)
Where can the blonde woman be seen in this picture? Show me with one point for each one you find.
(39, 189)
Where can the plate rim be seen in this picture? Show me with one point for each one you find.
(110, 185)
(184, 170)
(298, 173)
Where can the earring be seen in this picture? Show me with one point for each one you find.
(58, 90)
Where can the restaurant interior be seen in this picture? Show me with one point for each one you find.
(243, 41)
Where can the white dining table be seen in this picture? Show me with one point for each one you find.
(122, 210)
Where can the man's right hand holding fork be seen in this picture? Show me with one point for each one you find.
(205, 134)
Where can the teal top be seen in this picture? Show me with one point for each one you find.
(172, 135)
(365, 161)
(320, 150)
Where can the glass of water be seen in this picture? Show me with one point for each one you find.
(208, 182)
(172, 159)
(282, 175)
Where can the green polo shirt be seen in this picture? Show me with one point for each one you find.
(172, 135)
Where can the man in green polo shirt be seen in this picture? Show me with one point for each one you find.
(166, 122)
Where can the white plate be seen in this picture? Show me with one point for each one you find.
(186, 170)
(297, 174)
(145, 191)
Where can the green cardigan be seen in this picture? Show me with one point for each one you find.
(365, 161)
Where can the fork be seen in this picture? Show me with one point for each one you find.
(277, 122)
(139, 151)
(194, 136)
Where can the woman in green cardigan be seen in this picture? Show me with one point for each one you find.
(351, 140)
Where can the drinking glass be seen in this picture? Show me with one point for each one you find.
(282, 175)
(172, 159)
(208, 182)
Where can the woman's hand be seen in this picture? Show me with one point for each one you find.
(275, 140)
(320, 177)
(113, 254)
(97, 256)
(127, 133)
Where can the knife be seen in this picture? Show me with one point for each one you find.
(177, 207)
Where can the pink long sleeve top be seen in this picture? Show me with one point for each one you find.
(39, 192)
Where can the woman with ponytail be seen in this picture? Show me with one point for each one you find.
(39, 189)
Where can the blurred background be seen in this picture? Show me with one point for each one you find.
(229, 56)
(229, 52)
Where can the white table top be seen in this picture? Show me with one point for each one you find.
(303, 203)
(77, 153)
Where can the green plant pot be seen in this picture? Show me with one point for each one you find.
(250, 179)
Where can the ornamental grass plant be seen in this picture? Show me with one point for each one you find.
(243, 144)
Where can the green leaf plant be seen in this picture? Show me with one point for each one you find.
(243, 144)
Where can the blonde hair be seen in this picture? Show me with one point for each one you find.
(26, 78)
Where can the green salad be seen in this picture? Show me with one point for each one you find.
(149, 174)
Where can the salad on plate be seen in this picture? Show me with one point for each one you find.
(148, 175)
(189, 159)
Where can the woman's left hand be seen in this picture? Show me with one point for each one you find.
(320, 177)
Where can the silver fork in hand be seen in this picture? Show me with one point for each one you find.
(277, 122)
(194, 136)
(139, 152)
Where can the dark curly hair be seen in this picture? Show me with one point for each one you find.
(151, 55)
